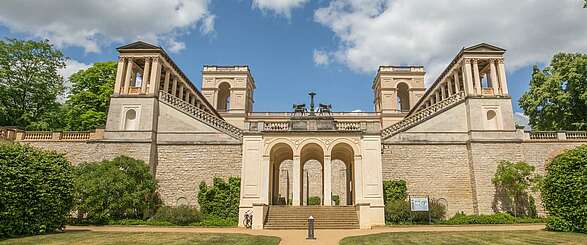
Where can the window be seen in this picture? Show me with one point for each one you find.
(403, 97)
(223, 103)
(491, 120)
(130, 120)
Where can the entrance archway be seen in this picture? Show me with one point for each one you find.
(344, 153)
(281, 155)
(312, 176)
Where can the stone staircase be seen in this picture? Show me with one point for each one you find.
(326, 217)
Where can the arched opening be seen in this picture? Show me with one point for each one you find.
(280, 181)
(312, 173)
(130, 120)
(403, 97)
(491, 120)
(343, 176)
(223, 103)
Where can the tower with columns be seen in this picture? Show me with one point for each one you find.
(396, 90)
(230, 91)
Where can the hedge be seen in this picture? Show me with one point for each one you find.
(564, 191)
(220, 200)
(35, 190)
(499, 218)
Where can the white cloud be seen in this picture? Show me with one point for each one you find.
(93, 24)
(321, 57)
(282, 7)
(71, 67)
(357, 110)
(378, 32)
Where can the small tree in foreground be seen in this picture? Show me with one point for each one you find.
(35, 190)
(221, 199)
(564, 191)
(512, 182)
(122, 188)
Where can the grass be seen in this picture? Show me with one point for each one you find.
(92, 238)
(482, 237)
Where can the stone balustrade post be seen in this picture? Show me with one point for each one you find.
(561, 135)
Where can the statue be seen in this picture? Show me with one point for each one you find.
(324, 109)
(299, 109)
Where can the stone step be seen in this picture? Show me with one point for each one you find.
(326, 217)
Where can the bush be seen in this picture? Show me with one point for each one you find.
(512, 182)
(122, 188)
(336, 199)
(221, 200)
(314, 200)
(499, 218)
(216, 221)
(564, 195)
(181, 215)
(35, 190)
(394, 190)
(398, 211)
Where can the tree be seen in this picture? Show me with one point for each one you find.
(557, 97)
(112, 190)
(36, 190)
(29, 82)
(563, 191)
(87, 106)
(512, 181)
(221, 199)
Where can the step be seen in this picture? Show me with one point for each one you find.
(326, 217)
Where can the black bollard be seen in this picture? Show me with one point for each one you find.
(311, 228)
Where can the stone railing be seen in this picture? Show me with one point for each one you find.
(276, 126)
(8, 133)
(201, 115)
(555, 135)
(58, 135)
(422, 115)
(348, 126)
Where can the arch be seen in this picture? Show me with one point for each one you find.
(278, 153)
(348, 142)
(303, 143)
(491, 120)
(403, 97)
(344, 152)
(131, 120)
(223, 103)
(275, 142)
(312, 151)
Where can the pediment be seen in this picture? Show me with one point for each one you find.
(483, 47)
(138, 45)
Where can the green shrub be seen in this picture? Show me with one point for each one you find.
(217, 221)
(498, 218)
(512, 182)
(564, 192)
(336, 199)
(221, 200)
(314, 200)
(35, 190)
(398, 211)
(394, 190)
(122, 188)
(181, 215)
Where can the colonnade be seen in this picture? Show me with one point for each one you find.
(156, 74)
(473, 77)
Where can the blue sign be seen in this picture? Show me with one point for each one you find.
(419, 204)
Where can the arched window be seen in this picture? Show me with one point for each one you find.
(403, 97)
(138, 80)
(223, 103)
(491, 120)
(130, 120)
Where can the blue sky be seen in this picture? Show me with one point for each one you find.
(279, 43)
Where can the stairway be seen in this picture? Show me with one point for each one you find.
(326, 217)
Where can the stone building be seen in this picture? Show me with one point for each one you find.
(444, 140)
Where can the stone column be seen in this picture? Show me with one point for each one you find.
(449, 85)
(467, 77)
(119, 75)
(167, 77)
(181, 91)
(442, 91)
(476, 77)
(327, 175)
(155, 76)
(174, 88)
(297, 181)
(493, 76)
(357, 180)
(502, 78)
(128, 75)
(455, 76)
(146, 72)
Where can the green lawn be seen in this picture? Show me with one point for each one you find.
(482, 237)
(91, 238)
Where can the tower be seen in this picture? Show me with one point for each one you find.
(396, 91)
(230, 91)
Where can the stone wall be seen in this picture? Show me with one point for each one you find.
(441, 171)
(80, 151)
(181, 168)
